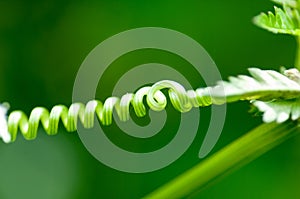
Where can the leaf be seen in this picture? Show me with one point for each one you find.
(285, 21)
(289, 3)
(279, 110)
(274, 94)
(263, 85)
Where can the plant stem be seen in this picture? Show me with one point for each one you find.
(238, 153)
(297, 58)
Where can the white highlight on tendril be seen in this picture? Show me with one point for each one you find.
(4, 134)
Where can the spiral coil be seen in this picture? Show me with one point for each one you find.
(181, 100)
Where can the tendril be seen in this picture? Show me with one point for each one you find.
(181, 100)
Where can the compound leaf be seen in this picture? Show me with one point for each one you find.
(264, 85)
(285, 21)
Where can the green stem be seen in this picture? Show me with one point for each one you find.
(238, 153)
(297, 58)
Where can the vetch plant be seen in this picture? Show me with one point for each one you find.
(275, 94)
(270, 92)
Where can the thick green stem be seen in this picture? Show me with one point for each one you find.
(297, 58)
(228, 159)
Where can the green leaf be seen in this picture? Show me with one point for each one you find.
(285, 21)
(279, 110)
(264, 85)
(289, 3)
(274, 94)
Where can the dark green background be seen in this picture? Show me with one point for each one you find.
(42, 45)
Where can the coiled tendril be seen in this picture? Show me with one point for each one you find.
(181, 99)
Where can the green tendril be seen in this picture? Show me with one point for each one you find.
(181, 99)
(263, 85)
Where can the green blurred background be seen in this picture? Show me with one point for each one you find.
(42, 45)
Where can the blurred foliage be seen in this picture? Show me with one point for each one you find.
(42, 45)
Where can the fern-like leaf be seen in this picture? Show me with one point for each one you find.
(279, 110)
(285, 21)
(274, 94)
(264, 85)
(289, 3)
